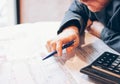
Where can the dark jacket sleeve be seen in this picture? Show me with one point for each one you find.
(76, 15)
(111, 38)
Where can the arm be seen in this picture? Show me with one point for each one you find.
(71, 27)
(111, 38)
(76, 15)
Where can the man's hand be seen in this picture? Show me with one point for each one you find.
(95, 28)
(67, 35)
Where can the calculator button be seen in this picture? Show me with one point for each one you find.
(105, 64)
(110, 59)
(118, 68)
(111, 69)
(114, 64)
(107, 54)
(117, 71)
(108, 62)
(99, 62)
(119, 65)
(102, 59)
(114, 56)
(118, 59)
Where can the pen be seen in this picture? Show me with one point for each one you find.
(54, 52)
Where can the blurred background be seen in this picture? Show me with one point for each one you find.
(14, 12)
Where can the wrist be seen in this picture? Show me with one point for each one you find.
(72, 28)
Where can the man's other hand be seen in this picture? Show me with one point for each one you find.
(95, 28)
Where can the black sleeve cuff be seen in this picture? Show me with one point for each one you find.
(69, 23)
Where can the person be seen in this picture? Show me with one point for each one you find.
(99, 17)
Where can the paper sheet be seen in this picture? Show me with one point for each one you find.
(21, 62)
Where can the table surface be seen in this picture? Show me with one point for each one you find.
(22, 48)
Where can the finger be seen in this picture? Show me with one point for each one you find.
(48, 46)
(59, 48)
(53, 45)
(76, 41)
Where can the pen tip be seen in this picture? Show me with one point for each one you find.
(43, 59)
